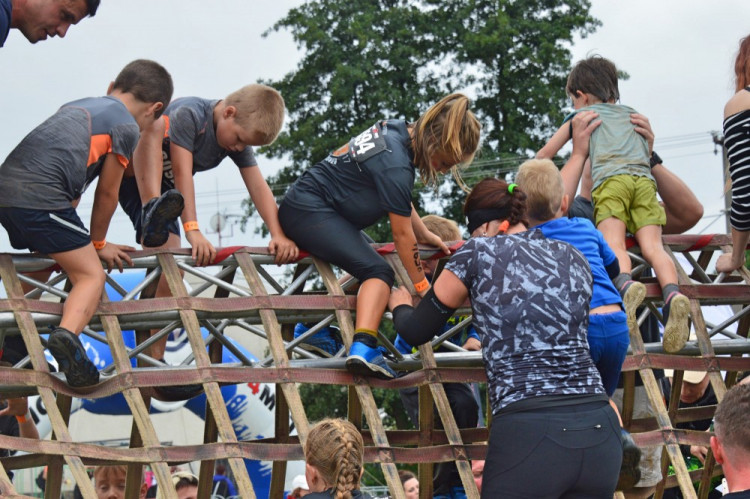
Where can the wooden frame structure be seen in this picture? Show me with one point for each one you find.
(262, 306)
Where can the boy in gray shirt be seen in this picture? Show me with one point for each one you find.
(44, 177)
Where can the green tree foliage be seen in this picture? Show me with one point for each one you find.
(363, 61)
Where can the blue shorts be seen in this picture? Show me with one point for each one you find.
(609, 338)
(130, 201)
(44, 231)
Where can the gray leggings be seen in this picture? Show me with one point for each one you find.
(560, 452)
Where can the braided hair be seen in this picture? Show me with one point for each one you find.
(335, 448)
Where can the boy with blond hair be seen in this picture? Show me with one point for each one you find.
(44, 177)
(110, 482)
(624, 191)
(608, 333)
(195, 135)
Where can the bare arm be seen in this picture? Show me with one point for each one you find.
(19, 407)
(105, 203)
(682, 207)
(584, 124)
(424, 235)
(406, 247)
(182, 167)
(262, 197)
(558, 140)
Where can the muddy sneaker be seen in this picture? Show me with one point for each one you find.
(676, 312)
(630, 472)
(366, 359)
(326, 342)
(633, 293)
(70, 354)
(158, 214)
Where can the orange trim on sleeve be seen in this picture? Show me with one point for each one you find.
(123, 160)
(100, 145)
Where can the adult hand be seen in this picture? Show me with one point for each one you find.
(114, 254)
(16, 407)
(584, 124)
(399, 296)
(643, 127)
(284, 249)
(203, 251)
(699, 451)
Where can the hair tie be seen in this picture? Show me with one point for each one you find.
(511, 188)
(504, 226)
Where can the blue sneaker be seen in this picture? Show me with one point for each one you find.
(158, 214)
(457, 492)
(71, 357)
(326, 342)
(366, 359)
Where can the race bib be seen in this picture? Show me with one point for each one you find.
(367, 144)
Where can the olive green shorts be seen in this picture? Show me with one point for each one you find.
(628, 198)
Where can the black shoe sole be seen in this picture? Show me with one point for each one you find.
(71, 358)
(356, 365)
(178, 392)
(167, 208)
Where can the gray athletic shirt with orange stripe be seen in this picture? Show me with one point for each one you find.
(56, 161)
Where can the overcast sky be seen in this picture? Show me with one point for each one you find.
(679, 55)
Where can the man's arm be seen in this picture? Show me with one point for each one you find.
(681, 206)
(105, 204)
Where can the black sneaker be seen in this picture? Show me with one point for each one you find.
(630, 472)
(178, 392)
(71, 357)
(158, 214)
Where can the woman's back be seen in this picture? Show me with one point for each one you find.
(530, 297)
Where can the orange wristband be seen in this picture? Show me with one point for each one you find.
(99, 244)
(21, 419)
(188, 226)
(422, 285)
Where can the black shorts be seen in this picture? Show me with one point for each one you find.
(130, 201)
(44, 231)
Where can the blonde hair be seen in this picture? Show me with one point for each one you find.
(259, 108)
(447, 126)
(335, 448)
(446, 230)
(541, 181)
(110, 472)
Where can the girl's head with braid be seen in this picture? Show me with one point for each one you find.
(445, 137)
(493, 206)
(334, 457)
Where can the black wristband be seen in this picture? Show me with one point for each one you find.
(655, 159)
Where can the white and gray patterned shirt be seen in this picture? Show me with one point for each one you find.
(530, 298)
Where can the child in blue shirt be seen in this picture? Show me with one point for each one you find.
(608, 333)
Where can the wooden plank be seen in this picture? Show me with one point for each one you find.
(213, 393)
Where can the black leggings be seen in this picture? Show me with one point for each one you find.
(561, 452)
(330, 237)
